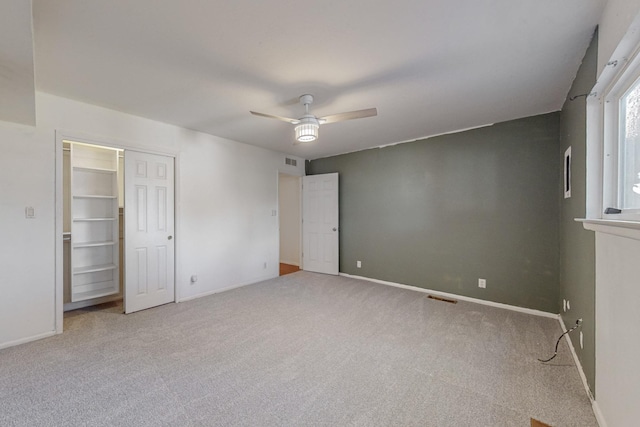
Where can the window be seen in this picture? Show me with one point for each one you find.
(629, 150)
(621, 165)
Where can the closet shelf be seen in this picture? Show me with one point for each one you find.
(94, 250)
(93, 196)
(81, 296)
(94, 268)
(93, 244)
(88, 169)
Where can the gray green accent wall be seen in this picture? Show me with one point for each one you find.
(577, 245)
(443, 212)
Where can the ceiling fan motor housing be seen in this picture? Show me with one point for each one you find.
(306, 99)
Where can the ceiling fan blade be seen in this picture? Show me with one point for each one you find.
(271, 116)
(359, 114)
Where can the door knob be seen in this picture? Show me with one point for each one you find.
(335, 229)
(170, 237)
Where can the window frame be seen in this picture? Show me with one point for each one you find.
(621, 83)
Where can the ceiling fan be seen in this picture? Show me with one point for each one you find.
(307, 126)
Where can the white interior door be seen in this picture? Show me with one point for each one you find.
(149, 228)
(320, 231)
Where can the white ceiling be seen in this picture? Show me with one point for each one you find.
(429, 66)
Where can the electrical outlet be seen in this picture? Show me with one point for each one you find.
(581, 340)
(482, 283)
(264, 265)
(359, 264)
(564, 305)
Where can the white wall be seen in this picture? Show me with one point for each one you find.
(26, 247)
(289, 207)
(617, 322)
(225, 194)
(228, 195)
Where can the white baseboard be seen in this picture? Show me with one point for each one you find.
(575, 358)
(598, 414)
(228, 288)
(458, 297)
(583, 377)
(27, 339)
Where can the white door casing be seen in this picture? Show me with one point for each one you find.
(320, 227)
(149, 230)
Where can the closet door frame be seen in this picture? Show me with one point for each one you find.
(58, 304)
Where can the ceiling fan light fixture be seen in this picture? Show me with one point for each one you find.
(307, 132)
(306, 127)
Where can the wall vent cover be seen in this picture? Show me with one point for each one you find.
(291, 162)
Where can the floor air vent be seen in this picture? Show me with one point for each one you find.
(452, 301)
(291, 162)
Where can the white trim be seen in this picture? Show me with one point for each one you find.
(623, 82)
(422, 138)
(600, 168)
(278, 216)
(576, 360)
(629, 229)
(27, 339)
(595, 129)
(458, 297)
(583, 377)
(58, 298)
(599, 417)
(228, 288)
(177, 235)
(300, 252)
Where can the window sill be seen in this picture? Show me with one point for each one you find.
(629, 229)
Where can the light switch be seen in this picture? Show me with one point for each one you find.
(29, 212)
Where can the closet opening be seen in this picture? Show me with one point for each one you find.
(93, 237)
(115, 227)
(289, 206)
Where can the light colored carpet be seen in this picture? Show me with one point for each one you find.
(301, 349)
